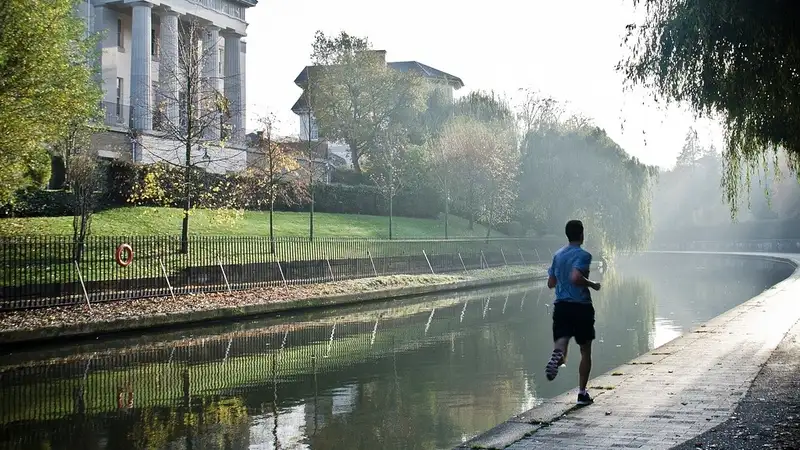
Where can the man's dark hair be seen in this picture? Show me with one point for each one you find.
(574, 230)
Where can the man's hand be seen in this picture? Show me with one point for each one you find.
(595, 286)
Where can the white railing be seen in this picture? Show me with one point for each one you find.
(755, 245)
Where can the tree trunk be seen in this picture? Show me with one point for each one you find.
(446, 208)
(471, 206)
(311, 195)
(187, 203)
(355, 155)
(491, 218)
(391, 212)
(271, 234)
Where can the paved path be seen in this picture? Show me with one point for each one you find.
(670, 394)
(769, 414)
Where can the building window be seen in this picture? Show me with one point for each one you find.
(153, 44)
(120, 41)
(314, 129)
(221, 61)
(118, 104)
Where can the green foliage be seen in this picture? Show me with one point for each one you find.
(681, 196)
(164, 184)
(34, 202)
(581, 173)
(160, 185)
(736, 59)
(46, 82)
(273, 174)
(348, 176)
(484, 107)
(356, 99)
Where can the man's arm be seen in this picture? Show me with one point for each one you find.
(551, 275)
(580, 272)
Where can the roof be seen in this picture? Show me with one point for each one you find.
(423, 70)
(247, 3)
(301, 105)
(426, 71)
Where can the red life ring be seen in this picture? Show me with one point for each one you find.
(128, 251)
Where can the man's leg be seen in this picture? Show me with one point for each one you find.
(586, 365)
(562, 331)
(584, 338)
(557, 357)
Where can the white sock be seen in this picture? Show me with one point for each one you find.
(582, 391)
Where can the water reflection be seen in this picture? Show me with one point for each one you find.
(424, 373)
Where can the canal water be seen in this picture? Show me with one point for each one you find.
(423, 373)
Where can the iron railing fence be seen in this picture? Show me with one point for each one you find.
(41, 271)
(755, 245)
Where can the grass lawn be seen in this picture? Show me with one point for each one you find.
(140, 221)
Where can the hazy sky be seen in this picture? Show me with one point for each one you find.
(565, 48)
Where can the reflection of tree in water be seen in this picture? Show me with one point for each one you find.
(433, 396)
(625, 311)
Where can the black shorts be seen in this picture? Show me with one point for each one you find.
(573, 320)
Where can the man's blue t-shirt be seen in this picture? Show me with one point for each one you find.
(567, 258)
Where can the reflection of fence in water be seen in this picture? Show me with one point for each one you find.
(93, 384)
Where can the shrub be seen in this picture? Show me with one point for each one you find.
(349, 177)
(123, 178)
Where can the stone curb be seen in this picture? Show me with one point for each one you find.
(40, 335)
(551, 410)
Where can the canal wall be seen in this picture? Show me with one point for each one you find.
(671, 393)
(129, 325)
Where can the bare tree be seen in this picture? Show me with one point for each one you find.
(191, 114)
(84, 176)
(389, 176)
(535, 111)
(273, 169)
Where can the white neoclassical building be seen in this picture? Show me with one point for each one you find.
(140, 46)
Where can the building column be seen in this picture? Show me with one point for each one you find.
(233, 86)
(100, 24)
(141, 64)
(210, 62)
(168, 70)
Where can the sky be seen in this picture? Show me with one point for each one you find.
(565, 48)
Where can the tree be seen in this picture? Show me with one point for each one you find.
(388, 173)
(480, 159)
(47, 70)
(355, 98)
(487, 127)
(568, 173)
(734, 59)
(85, 177)
(274, 171)
(535, 111)
(484, 107)
(691, 150)
(189, 113)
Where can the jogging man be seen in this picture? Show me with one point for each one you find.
(573, 313)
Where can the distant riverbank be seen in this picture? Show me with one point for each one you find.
(104, 318)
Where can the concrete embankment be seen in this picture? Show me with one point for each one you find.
(150, 316)
(670, 394)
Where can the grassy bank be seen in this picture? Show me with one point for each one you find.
(141, 221)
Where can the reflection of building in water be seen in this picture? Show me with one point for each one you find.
(344, 399)
(288, 431)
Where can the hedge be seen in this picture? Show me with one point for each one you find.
(331, 198)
